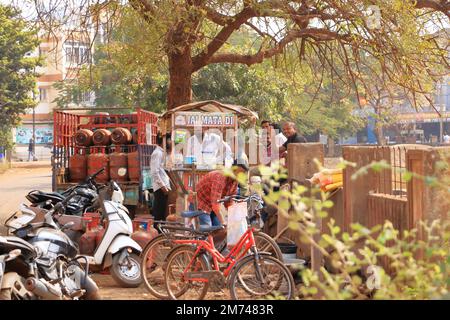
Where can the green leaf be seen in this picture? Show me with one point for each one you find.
(407, 176)
(328, 204)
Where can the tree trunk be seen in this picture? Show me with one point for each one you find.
(380, 135)
(180, 80)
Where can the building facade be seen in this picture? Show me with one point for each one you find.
(62, 57)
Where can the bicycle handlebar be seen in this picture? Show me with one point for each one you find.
(237, 198)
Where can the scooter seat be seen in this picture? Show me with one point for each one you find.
(192, 214)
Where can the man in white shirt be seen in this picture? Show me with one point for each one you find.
(271, 133)
(446, 138)
(160, 181)
(210, 149)
(280, 139)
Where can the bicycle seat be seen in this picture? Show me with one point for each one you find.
(210, 229)
(192, 214)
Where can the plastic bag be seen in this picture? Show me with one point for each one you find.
(236, 222)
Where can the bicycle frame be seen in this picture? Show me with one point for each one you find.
(246, 241)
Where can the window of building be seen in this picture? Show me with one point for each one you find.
(77, 53)
(84, 98)
(42, 94)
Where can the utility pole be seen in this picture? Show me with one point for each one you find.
(441, 114)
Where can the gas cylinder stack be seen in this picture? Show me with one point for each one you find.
(111, 142)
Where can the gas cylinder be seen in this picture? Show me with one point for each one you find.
(83, 138)
(118, 163)
(144, 231)
(133, 166)
(121, 136)
(143, 237)
(102, 137)
(77, 167)
(95, 162)
(92, 218)
(87, 242)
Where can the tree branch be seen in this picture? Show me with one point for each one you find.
(317, 34)
(217, 42)
(441, 6)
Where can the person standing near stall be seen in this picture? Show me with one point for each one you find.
(160, 180)
(290, 132)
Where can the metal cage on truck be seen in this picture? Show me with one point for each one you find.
(68, 121)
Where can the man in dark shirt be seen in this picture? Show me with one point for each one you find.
(290, 132)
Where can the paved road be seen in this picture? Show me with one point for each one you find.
(15, 184)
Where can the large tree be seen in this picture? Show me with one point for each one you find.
(17, 70)
(193, 34)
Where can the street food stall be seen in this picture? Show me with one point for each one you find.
(204, 137)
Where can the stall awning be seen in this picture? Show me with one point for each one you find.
(422, 117)
(213, 106)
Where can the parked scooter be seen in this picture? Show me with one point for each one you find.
(116, 249)
(49, 264)
(24, 277)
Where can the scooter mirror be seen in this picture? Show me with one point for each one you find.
(68, 225)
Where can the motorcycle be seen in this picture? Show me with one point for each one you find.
(116, 249)
(49, 262)
(86, 194)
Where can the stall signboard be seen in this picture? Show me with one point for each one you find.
(209, 119)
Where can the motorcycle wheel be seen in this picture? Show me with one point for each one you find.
(127, 276)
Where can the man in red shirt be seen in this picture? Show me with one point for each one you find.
(215, 186)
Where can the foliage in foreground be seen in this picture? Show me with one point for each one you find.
(378, 262)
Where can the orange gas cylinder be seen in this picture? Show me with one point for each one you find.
(102, 137)
(118, 163)
(142, 237)
(92, 219)
(133, 166)
(83, 138)
(87, 242)
(77, 167)
(143, 230)
(97, 161)
(121, 136)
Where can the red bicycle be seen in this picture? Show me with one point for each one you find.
(248, 273)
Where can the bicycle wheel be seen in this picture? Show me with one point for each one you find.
(260, 278)
(265, 243)
(176, 285)
(153, 260)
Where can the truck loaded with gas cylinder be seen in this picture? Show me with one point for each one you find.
(122, 143)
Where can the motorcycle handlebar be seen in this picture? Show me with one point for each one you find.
(92, 176)
(61, 204)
